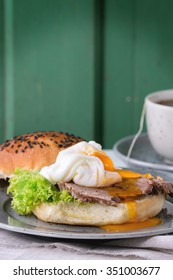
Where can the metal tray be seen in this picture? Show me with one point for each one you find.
(12, 221)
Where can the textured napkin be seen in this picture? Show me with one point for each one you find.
(15, 246)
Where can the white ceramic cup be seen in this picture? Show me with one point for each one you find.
(159, 122)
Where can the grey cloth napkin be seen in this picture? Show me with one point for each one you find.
(17, 246)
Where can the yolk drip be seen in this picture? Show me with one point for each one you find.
(107, 162)
(125, 174)
(131, 205)
(109, 166)
(127, 188)
(133, 226)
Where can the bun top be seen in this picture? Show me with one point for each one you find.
(33, 151)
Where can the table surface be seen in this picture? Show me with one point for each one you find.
(22, 246)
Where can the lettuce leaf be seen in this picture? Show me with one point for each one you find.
(29, 189)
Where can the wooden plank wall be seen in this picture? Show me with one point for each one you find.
(49, 66)
(1, 71)
(82, 66)
(138, 60)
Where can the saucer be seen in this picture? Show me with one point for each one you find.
(143, 154)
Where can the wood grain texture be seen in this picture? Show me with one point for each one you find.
(8, 82)
(118, 71)
(138, 60)
(1, 72)
(82, 66)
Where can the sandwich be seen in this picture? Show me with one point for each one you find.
(62, 178)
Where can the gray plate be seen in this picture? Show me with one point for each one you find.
(143, 155)
(11, 221)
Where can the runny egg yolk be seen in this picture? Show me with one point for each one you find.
(131, 206)
(107, 162)
(132, 225)
(151, 222)
(109, 166)
(131, 189)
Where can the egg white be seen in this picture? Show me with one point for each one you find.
(78, 165)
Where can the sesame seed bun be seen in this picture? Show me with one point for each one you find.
(33, 151)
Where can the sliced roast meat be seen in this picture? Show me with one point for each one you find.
(128, 189)
(160, 186)
(86, 194)
(156, 185)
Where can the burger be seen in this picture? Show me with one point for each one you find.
(62, 178)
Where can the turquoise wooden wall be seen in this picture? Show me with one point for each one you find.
(82, 66)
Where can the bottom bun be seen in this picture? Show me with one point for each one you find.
(95, 214)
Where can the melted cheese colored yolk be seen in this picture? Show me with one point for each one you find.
(106, 160)
(131, 206)
(133, 226)
(126, 188)
(109, 166)
(130, 174)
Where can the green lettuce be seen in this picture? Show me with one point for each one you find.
(29, 188)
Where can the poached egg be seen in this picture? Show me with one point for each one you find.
(84, 163)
